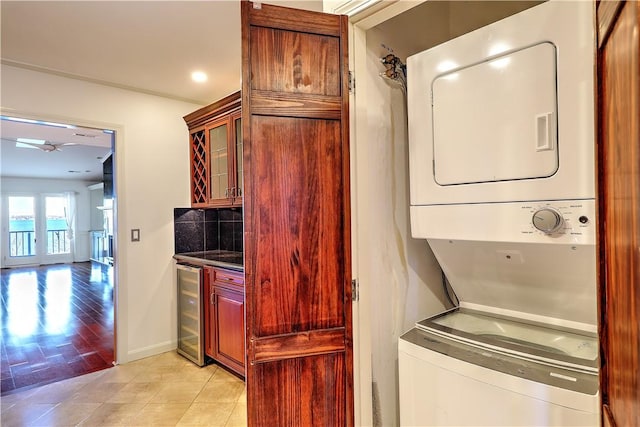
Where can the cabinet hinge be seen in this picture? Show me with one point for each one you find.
(352, 82)
(355, 289)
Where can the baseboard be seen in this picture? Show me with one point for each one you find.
(151, 350)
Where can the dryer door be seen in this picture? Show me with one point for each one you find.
(496, 120)
(505, 113)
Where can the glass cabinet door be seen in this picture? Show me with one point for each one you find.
(238, 143)
(219, 165)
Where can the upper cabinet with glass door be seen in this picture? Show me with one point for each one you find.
(215, 146)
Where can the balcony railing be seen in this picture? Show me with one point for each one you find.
(57, 242)
(23, 243)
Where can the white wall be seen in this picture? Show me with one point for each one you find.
(46, 186)
(151, 178)
(398, 274)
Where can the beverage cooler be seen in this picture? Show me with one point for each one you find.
(190, 313)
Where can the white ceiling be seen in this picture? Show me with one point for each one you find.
(79, 151)
(148, 46)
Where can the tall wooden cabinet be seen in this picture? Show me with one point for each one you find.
(297, 217)
(618, 25)
(215, 153)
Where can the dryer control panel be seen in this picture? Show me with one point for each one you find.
(547, 220)
(553, 219)
(557, 221)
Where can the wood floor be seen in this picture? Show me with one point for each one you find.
(56, 321)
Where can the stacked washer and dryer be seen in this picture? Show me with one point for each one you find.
(502, 187)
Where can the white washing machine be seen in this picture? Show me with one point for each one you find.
(521, 349)
(469, 368)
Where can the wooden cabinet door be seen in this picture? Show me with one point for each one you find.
(213, 154)
(224, 170)
(229, 345)
(619, 204)
(209, 318)
(219, 173)
(198, 150)
(236, 141)
(297, 217)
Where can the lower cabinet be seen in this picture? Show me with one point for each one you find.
(224, 314)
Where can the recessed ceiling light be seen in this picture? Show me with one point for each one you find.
(199, 76)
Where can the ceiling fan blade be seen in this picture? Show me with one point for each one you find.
(21, 144)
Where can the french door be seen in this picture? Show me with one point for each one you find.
(38, 229)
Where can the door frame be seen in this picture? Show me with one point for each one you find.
(121, 322)
(362, 20)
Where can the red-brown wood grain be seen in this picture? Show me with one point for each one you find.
(213, 111)
(199, 122)
(199, 175)
(299, 344)
(295, 20)
(301, 402)
(294, 62)
(229, 347)
(269, 103)
(297, 221)
(208, 275)
(619, 205)
(300, 272)
(224, 317)
(607, 13)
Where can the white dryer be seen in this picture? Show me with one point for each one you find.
(505, 113)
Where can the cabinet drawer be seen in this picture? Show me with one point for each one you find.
(228, 277)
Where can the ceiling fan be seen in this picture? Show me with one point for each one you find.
(41, 144)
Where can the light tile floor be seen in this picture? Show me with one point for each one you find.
(163, 390)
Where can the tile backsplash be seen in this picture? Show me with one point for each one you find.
(207, 229)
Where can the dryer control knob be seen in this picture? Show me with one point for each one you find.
(547, 220)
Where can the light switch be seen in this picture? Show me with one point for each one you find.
(135, 234)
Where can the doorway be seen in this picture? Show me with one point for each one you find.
(49, 214)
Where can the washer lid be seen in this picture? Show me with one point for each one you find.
(553, 283)
(557, 346)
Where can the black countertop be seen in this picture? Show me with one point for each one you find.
(218, 258)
